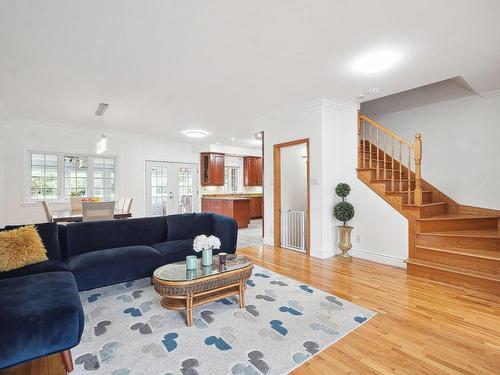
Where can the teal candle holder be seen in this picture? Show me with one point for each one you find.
(191, 262)
(206, 257)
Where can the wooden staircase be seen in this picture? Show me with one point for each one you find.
(448, 242)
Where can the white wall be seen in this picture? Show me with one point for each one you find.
(380, 233)
(301, 122)
(460, 133)
(294, 177)
(332, 131)
(132, 151)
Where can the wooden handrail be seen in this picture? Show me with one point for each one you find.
(385, 130)
(378, 163)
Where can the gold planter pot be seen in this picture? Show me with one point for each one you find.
(345, 240)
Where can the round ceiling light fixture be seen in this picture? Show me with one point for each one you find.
(195, 133)
(376, 61)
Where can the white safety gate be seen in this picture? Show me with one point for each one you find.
(293, 230)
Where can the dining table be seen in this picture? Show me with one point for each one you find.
(69, 215)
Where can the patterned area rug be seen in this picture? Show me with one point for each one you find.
(285, 323)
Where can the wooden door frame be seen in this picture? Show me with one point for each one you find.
(277, 192)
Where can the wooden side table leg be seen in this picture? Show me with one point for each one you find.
(242, 294)
(189, 310)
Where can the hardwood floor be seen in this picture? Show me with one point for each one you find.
(421, 326)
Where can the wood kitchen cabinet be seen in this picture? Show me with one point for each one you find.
(256, 209)
(212, 169)
(237, 208)
(252, 171)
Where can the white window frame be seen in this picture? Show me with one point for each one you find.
(60, 175)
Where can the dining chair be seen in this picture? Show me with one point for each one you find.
(48, 211)
(76, 203)
(95, 211)
(120, 204)
(128, 205)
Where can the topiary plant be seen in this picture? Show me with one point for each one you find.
(343, 211)
(342, 190)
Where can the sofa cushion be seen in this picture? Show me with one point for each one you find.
(180, 227)
(39, 315)
(21, 247)
(48, 234)
(81, 238)
(47, 266)
(204, 224)
(175, 251)
(100, 268)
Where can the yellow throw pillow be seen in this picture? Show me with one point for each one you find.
(20, 247)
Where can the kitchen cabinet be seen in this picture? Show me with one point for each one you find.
(252, 171)
(237, 208)
(212, 169)
(256, 208)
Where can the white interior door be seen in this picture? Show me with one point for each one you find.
(171, 188)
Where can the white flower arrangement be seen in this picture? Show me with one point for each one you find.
(203, 242)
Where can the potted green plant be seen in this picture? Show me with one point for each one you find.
(344, 211)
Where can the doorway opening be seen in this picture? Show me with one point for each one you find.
(171, 188)
(291, 195)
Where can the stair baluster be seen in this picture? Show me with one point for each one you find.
(400, 166)
(378, 156)
(370, 165)
(418, 172)
(392, 164)
(385, 156)
(409, 175)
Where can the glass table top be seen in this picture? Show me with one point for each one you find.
(178, 272)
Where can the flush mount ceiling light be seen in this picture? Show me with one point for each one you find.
(373, 91)
(195, 133)
(376, 61)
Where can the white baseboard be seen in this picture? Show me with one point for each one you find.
(322, 254)
(379, 258)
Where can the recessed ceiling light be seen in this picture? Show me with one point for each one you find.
(232, 139)
(376, 61)
(258, 135)
(217, 143)
(373, 91)
(194, 133)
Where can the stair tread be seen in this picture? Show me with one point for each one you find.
(481, 233)
(405, 191)
(458, 217)
(477, 253)
(425, 204)
(463, 271)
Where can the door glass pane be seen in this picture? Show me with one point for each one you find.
(159, 190)
(185, 188)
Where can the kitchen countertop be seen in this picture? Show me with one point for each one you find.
(228, 198)
(219, 196)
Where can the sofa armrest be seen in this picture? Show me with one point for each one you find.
(226, 229)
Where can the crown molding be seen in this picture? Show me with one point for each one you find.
(490, 94)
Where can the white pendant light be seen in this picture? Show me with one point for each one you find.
(102, 143)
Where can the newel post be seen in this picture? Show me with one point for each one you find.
(418, 172)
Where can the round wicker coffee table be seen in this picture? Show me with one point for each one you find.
(181, 289)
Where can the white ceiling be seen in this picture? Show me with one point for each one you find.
(165, 66)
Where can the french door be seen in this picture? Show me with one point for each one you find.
(171, 188)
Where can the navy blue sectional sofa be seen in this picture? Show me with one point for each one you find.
(40, 309)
